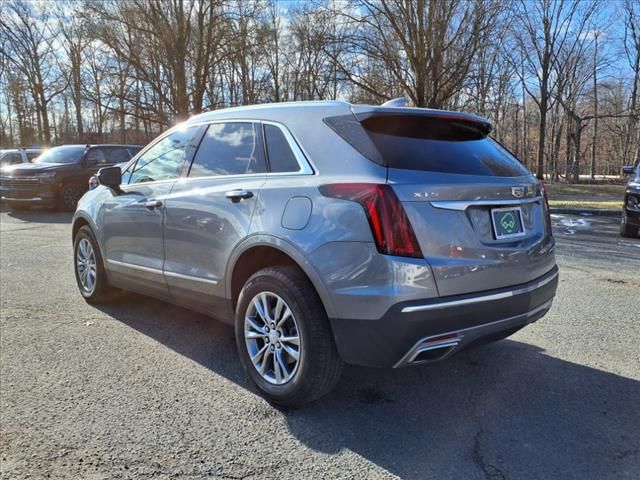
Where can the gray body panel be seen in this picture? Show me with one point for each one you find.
(186, 250)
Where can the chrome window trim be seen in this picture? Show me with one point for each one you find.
(301, 158)
(162, 272)
(464, 204)
(480, 299)
(306, 167)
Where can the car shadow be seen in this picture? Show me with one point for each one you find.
(506, 410)
(39, 215)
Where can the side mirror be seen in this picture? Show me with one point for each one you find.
(110, 177)
(628, 169)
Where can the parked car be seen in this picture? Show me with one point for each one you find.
(15, 156)
(630, 225)
(58, 177)
(326, 233)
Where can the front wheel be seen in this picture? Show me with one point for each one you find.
(69, 196)
(627, 230)
(90, 274)
(284, 339)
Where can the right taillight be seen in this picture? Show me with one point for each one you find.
(389, 223)
(546, 207)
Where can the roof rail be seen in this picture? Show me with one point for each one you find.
(396, 102)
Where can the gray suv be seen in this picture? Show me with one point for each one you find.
(326, 233)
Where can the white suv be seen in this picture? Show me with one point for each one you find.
(18, 155)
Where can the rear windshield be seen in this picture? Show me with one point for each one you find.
(446, 145)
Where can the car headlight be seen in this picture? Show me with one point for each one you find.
(633, 202)
(47, 177)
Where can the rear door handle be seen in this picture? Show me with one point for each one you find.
(151, 204)
(236, 195)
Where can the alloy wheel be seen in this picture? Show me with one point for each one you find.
(272, 338)
(70, 196)
(86, 265)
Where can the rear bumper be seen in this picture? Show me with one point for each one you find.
(442, 326)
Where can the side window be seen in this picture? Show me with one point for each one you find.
(31, 156)
(163, 160)
(281, 158)
(97, 155)
(12, 159)
(228, 149)
(117, 155)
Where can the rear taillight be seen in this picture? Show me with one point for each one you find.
(389, 223)
(546, 207)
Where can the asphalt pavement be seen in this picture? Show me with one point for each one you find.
(143, 389)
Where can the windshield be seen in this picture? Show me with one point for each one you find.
(61, 155)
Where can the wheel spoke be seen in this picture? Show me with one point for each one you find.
(285, 316)
(265, 361)
(282, 366)
(259, 355)
(260, 310)
(293, 353)
(265, 308)
(252, 323)
(295, 340)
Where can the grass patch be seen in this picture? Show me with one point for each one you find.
(566, 191)
(603, 205)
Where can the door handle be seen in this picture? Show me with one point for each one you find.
(236, 195)
(151, 204)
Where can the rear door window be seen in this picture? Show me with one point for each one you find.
(232, 148)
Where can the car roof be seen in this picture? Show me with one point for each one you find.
(99, 145)
(304, 109)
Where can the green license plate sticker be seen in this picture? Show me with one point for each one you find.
(507, 222)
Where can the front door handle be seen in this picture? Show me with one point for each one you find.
(151, 204)
(236, 195)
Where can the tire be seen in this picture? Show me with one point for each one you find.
(627, 230)
(68, 197)
(99, 291)
(318, 367)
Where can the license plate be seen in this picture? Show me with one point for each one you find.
(507, 222)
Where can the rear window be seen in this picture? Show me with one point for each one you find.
(281, 158)
(445, 145)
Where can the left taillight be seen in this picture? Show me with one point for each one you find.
(546, 207)
(390, 226)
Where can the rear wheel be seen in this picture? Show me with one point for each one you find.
(69, 196)
(284, 339)
(90, 274)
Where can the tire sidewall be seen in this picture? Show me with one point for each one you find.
(63, 204)
(269, 283)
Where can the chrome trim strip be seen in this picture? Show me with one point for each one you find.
(464, 204)
(190, 277)
(484, 298)
(160, 272)
(465, 335)
(135, 267)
